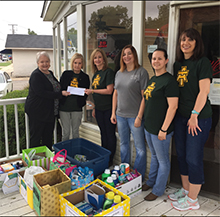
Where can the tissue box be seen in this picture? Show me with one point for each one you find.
(69, 199)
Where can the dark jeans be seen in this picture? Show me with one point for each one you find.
(107, 130)
(190, 148)
(41, 133)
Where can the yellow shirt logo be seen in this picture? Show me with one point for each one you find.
(182, 76)
(149, 89)
(96, 81)
(74, 82)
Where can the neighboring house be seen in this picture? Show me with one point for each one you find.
(24, 49)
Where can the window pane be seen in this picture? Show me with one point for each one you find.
(71, 35)
(156, 30)
(109, 27)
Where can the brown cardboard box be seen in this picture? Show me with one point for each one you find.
(46, 189)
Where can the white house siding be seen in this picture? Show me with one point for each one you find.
(24, 62)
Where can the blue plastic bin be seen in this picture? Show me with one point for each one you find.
(97, 156)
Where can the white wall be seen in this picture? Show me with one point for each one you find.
(24, 62)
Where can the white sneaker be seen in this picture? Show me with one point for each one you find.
(184, 204)
(180, 193)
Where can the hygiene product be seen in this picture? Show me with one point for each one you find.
(117, 199)
(106, 174)
(109, 181)
(109, 200)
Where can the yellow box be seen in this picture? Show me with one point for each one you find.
(25, 190)
(30, 197)
(67, 208)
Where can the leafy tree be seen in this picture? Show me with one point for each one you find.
(163, 13)
(31, 32)
(110, 16)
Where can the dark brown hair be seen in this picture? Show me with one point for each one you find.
(199, 47)
(134, 52)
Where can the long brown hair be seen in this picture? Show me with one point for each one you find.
(134, 52)
(199, 48)
(94, 68)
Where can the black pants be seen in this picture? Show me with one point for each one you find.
(41, 133)
(107, 129)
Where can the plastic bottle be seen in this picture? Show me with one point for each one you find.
(109, 181)
(106, 174)
(109, 200)
(117, 199)
(114, 178)
(116, 170)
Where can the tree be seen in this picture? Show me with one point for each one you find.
(163, 13)
(109, 16)
(31, 32)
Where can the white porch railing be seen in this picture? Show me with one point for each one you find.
(15, 102)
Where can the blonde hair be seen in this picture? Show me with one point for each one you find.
(94, 68)
(76, 56)
(42, 53)
(134, 52)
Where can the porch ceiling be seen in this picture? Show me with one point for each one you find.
(51, 10)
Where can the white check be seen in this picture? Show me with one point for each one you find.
(76, 90)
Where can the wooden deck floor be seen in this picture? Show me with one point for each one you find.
(14, 205)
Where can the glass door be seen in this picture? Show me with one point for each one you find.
(206, 21)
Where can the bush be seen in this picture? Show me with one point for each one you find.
(11, 124)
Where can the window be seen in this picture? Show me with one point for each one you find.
(156, 30)
(71, 36)
(109, 27)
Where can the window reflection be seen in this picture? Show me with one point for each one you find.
(109, 27)
(71, 36)
(156, 30)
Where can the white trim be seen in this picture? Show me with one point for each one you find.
(138, 28)
(54, 52)
(58, 52)
(65, 55)
(80, 10)
(172, 36)
(192, 4)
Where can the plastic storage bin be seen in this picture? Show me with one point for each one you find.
(97, 156)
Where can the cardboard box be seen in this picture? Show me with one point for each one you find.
(46, 189)
(40, 151)
(132, 188)
(9, 181)
(25, 190)
(69, 199)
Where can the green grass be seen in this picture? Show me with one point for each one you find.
(6, 63)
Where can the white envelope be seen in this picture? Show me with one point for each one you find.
(76, 90)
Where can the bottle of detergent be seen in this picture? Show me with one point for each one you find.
(109, 181)
(116, 170)
(109, 200)
(117, 199)
(106, 174)
(114, 178)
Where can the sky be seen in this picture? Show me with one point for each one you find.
(25, 15)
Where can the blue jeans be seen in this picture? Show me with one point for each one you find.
(125, 127)
(190, 148)
(160, 163)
